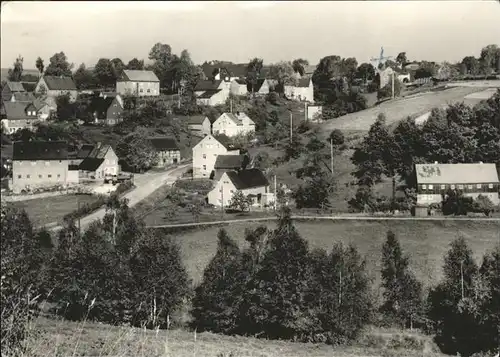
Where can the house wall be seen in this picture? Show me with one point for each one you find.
(300, 93)
(35, 174)
(225, 125)
(73, 177)
(204, 129)
(238, 89)
(44, 113)
(204, 156)
(110, 164)
(217, 99)
(225, 189)
(141, 89)
(168, 157)
(433, 192)
(13, 125)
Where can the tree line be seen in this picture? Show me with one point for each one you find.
(118, 272)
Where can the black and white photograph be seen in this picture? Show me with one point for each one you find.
(250, 178)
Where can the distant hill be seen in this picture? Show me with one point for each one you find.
(5, 72)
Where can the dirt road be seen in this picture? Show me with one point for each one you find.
(145, 184)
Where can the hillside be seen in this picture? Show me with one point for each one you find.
(63, 338)
(426, 242)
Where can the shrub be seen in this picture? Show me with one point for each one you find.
(272, 97)
(483, 204)
(196, 185)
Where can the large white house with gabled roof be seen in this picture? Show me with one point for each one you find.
(232, 124)
(138, 83)
(205, 154)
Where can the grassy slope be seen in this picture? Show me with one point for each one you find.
(55, 338)
(52, 209)
(426, 242)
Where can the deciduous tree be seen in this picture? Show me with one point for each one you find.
(283, 73)
(59, 65)
(299, 65)
(39, 65)
(135, 64)
(16, 71)
(254, 68)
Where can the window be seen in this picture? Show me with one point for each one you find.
(141, 90)
(232, 191)
(452, 187)
(490, 185)
(47, 163)
(443, 187)
(460, 187)
(49, 176)
(149, 90)
(28, 176)
(431, 187)
(469, 187)
(58, 175)
(479, 185)
(204, 156)
(424, 187)
(39, 176)
(205, 167)
(19, 176)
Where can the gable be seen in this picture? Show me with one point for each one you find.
(209, 139)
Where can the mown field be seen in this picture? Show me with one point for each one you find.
(426, 242)
(63, 338)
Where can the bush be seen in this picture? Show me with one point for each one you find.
(482, 204)
(455, 203)
(272, 97)
(196, 185)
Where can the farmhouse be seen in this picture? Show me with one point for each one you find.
(10, 89)
(231, 124)
(252, 183)
(225, 71)
(303, 91)
(107, 110)
(100, 161)
(212, 92)
(22, 115)
(225, 163)
(54, 86)
(261, 87)
(205, 154)
(239, 87)
(138, 83)
(37, 164)
(167, 149)
(199, 125)
(433, 180)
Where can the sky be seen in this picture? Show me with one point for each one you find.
(238, 31)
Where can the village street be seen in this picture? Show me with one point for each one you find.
(145, 184)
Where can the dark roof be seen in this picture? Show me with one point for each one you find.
(207, 85)
(197, 119)
(23, 97)
(241, 81)
(15, 86)
(84, 151)
(231, 161)
(38, 104)
(245, 179)
(59, 83)
(209, 93)
(40, 150)
(99, 151)
(259, 84)
(29, 86)
(164, 143)
(139, 76)
(456, 173)
(90, 164)
(15, 110)
(231, 69)
(303, 82)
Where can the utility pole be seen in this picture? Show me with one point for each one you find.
(79, 226)
(291, 126)
(331, 154)
(222, 200)
(340, 287)
(179, 98)
(392, 77)
(305, 111)
(275, 193)
(462, 276)
(231, 105)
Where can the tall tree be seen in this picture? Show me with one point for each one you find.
(471, 64)
(135, 64)
(84, 78)
(40, 66)
(299, 65)
(16, 72)
(136, 150)
(402, 291)
(490, 56)
(402, 59)
(59, 65)
(365, 71)
(217, 298)
(118, 67)
(254, 68)
(161, 55)
(104, 73)
(282, 72)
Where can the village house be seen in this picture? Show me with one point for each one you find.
(252, 183)
(205, 154)
(100, 161)
(261, 87)
(303, 91)
(22, 115)
(76, 158)
(212, 92)
(37, 164)
(238, 87)
(225, 163)
(107, 110)
(10, 89)
(231, 124)
(224, 71)
(434, 180)
(167, 149)
(138, 83)
(199, 125)
(54, 86)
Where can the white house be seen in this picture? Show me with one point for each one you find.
(252, 183)
(54, 86)
(231, 124)
(212, 92)
(138, 83)
(205, 154)
(239, 87)
(303, 91)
